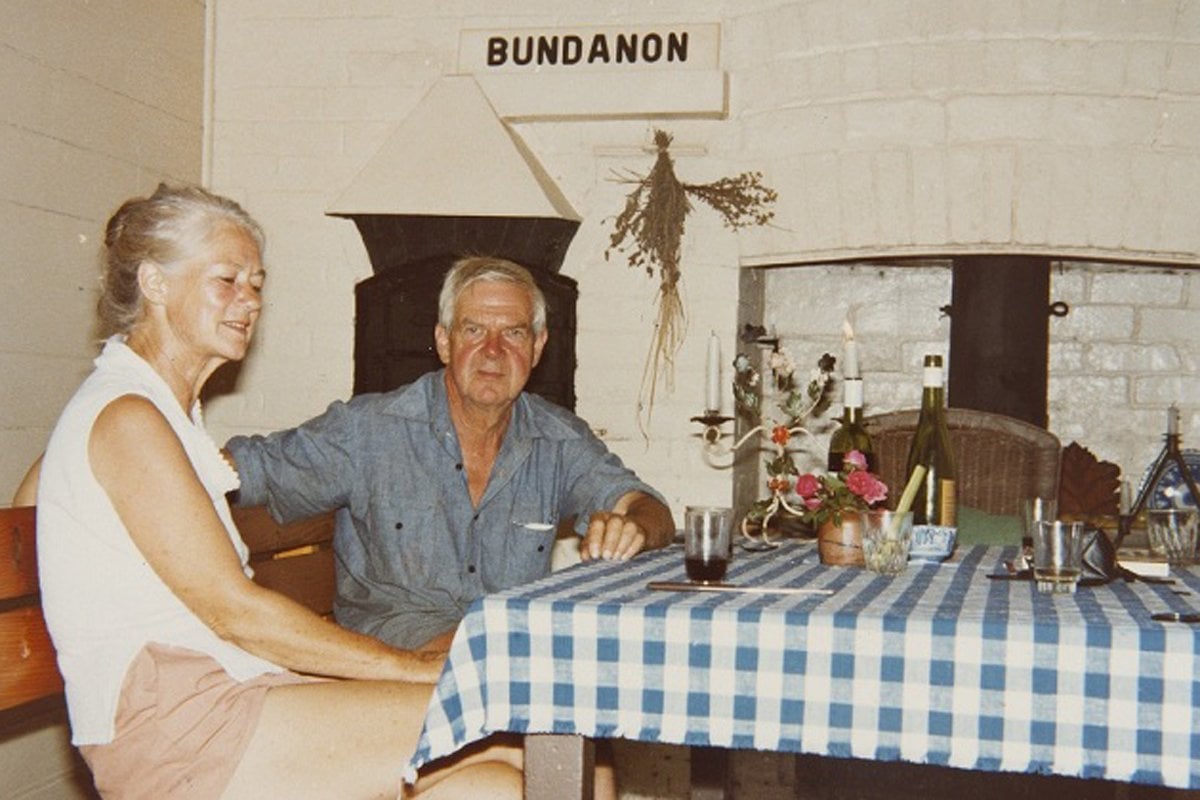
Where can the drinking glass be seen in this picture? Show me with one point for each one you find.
(1035, 510)
(1057, 555)
(706, 542)
(1172, 533)
(886, 538)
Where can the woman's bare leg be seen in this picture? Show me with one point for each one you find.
(351, 739)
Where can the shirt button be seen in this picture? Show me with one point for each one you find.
(458, 467)
(399, 525)
(541, 547)
(471, 568)
(476, 517)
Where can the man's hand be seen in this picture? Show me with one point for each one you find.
(611, 536)
(637, 522)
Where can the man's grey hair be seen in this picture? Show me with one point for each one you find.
(471, 270)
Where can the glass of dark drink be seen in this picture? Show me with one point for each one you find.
(706, 542)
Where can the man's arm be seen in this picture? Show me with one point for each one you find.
(635, 523)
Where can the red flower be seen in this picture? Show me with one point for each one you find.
(854, 460)
(780, 435)
(807, 485)
(867, 486)
(778, 484)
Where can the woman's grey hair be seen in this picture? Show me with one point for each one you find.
(168, 228)
(471, 270)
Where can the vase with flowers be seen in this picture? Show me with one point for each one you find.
(834, 502)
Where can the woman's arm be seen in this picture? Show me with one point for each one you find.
(27, 492)
(143, 468)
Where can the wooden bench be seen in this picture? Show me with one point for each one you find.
(295, 559)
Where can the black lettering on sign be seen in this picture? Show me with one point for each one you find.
(623, 48)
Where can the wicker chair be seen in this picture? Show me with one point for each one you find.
(999, 459)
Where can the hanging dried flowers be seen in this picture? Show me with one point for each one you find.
(650, 229)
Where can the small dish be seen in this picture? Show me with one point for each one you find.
(932, 544)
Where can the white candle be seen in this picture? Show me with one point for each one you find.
(712, 375)
(850, 352)
(1172, 421)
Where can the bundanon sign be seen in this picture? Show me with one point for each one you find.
(598, 71)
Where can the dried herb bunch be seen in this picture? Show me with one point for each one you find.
(649, 230)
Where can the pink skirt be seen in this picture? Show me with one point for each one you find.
(182, 726)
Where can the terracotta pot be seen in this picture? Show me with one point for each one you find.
(841, 545)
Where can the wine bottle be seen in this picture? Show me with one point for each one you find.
(851, 435)
(936, 500)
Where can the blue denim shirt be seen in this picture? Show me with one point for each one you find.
(411, 550)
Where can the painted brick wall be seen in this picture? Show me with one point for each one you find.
(904, 127)
(98, 102)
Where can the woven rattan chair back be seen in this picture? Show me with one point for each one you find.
(999, 459)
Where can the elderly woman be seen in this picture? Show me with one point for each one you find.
(183, 677)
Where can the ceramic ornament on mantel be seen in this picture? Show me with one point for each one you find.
(649, 230)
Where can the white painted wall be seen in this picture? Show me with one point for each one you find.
(98, 102)
(895, 127)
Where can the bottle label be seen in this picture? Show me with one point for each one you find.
(933, 376)
(948, 508)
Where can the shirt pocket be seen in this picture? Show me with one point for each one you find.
(417, 548)
(528, 548)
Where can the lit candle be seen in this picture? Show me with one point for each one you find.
(712, 375)
(850, 353)
(1172, 421)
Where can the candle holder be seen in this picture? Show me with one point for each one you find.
(796, 401)
(712, 422)
(1170, 452)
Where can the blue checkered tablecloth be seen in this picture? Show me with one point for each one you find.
(939, 665)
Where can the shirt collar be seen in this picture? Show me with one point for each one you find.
(117, 354)
(426, 400)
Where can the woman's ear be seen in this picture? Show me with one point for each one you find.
(152, 282)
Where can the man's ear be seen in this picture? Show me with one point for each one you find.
(441, 338)
(539, 342)
(152, 282)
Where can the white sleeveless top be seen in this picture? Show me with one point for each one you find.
(103, 603)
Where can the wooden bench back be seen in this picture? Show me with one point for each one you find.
(295, 559)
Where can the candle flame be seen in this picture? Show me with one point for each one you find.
(847, 330)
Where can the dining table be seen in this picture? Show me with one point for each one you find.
(955, 663)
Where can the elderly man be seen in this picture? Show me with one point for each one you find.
(454, 485)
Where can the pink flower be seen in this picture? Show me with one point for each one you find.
(867, 486)
(854, 460)
(807, 486)
(780, 435)
(811, 503)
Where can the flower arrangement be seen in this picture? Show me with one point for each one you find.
(828, 497)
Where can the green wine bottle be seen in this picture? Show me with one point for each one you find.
(851, 435)
(936, 502)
